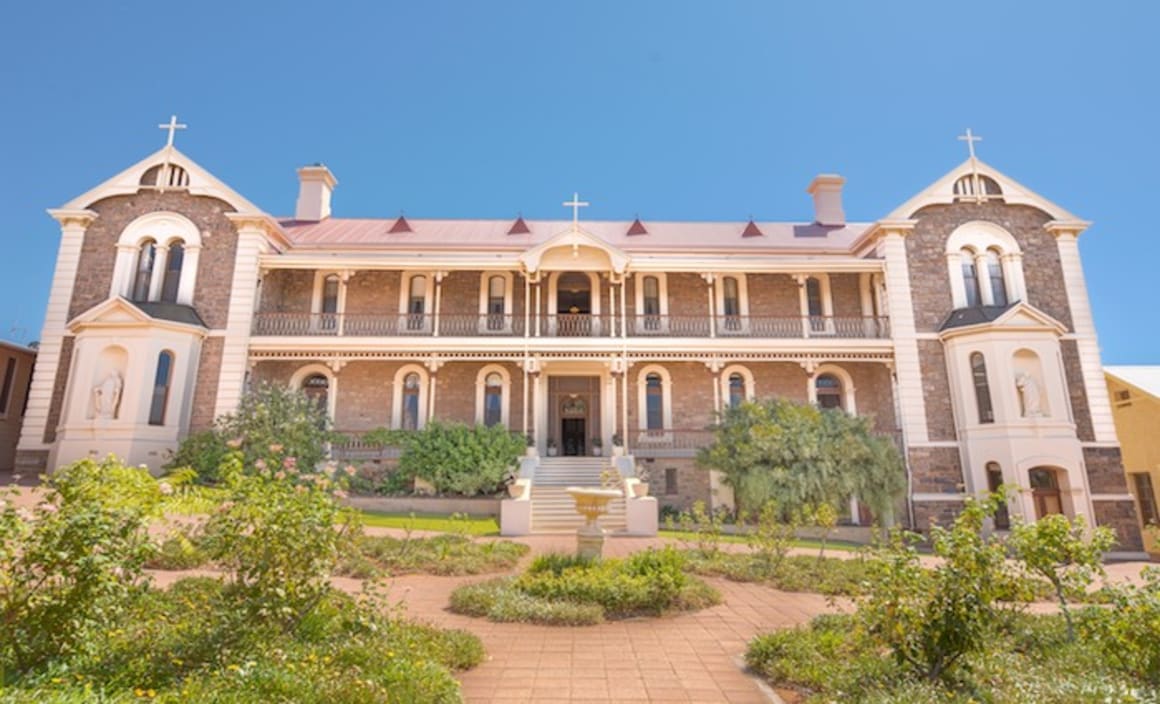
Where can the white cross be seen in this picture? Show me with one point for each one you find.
(576, 204)
(970, 139)
(173, 126)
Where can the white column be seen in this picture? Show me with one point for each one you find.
(157, 278)
(438, 299)
(709, 278)
(123, 271)
(1013, 276)
(612, 308)
(539, 307)
(1100, 409)
(191, 259)
(252, 244)
(902, 328)
(983, 274)
(538, 415)
(73, 224)
(958, 287)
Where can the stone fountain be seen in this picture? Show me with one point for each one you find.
(592, 503)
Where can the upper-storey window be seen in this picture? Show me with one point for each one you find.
(985, 266)
(161, 383)
(970, 278)
(995, 276)
(982, 388)
(417, 303)
(143, 272)
(496, 304)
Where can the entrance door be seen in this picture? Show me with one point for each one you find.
(573, 436)
(1045, 491)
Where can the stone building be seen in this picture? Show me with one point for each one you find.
(959, 321)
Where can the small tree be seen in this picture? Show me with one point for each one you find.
(1062, 552)
(931, 618)
(798, 455)
(825, 517)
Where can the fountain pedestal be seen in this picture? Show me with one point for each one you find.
(591, 503)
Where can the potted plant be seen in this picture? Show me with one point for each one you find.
(597, 447)
(531, 440)
(552, 447)
(617, 445)
(642, 475)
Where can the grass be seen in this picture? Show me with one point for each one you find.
(371, 556)
(689, 536)
(440, 523)
(795, 573)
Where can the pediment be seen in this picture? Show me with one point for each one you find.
(942, 192)
(201, 183)
(1019, 316)
(120, 313)
(575, 249)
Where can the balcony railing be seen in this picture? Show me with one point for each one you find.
(669, 442)
(569, 325)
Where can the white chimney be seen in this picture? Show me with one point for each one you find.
(827, 192)
(315, 184)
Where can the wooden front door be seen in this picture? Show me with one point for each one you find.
(1045, 492)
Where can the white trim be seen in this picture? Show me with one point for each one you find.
(163, 228)
(849, 403)
(553, 290)
(978, 237)
(505, 393)
(428, 300)
(743, 302)
(304, 372)
(746, 376)
(936, 498)
(1115, 497)
(642, 396)
(397, 393)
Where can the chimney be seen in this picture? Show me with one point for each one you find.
(827, 192)
(315, 184)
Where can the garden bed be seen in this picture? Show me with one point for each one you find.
(373, 556)
(434, 505)
(564, 590)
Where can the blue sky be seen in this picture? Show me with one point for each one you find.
(673, 110)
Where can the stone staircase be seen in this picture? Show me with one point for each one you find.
(553, 510)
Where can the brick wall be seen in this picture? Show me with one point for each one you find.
(373, 293)
(926, 254)
(1076, 390)
(873, 394)
(936, 470)
(692, 482)
(216, 264)
(1105, 470)
(846, 294)
(56, 403)
(781, 379)
(774, 295)
(692, 389)
(287, 291)
(942, 513)
(209, 367)
(936, 389)
(1120, 516)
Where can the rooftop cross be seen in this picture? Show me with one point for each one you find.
(576, 204)
(976, 185)
(173, 126)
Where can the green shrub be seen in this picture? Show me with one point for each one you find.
(1129, 633)
(203, 453)
(177, 552)
(458, 459)
(500, 601)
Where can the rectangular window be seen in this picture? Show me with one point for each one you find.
(6, 390)
(1146, 495)
(671, 481)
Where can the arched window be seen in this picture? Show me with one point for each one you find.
(161, 382)
(737, 393)
(317, 389)
(982, 388)
(493, 399)
(986, 186)
(417, 303)
(329, 295)
(412, 388)
(995, 274)
(970, 278)
(172, 281)
(651, 302)
(143, 276)
(829, 391)
(731, 302)
(496, 302)
(654, 402)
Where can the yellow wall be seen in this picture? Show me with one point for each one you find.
(1138, 427)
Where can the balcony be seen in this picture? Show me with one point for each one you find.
(569, 325)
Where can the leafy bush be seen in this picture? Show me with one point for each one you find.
(177, 552)
(796, 573)
(272, 422)
(68, 566)
(1129, 633)
(650, 582)
(458, 459)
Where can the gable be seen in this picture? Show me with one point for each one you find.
(120, 313)
(1017, 317)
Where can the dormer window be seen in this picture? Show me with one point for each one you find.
(165, 176)
(977, 186)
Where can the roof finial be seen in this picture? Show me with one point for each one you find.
(576, 204)
(970, 139)
(173, 126)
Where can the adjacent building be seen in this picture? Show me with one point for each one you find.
(1135, 395)
(958, 320)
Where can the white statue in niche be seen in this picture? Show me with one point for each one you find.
(1029, 391)
(107, 396)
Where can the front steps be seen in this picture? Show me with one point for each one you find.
(554, 511)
